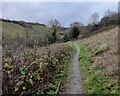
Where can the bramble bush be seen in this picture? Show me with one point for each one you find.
(32, 71)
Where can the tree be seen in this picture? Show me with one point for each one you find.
(75, 32)
(76, 24)
(57, 24)
(51, 23)
(66, 38)
(54, 35)
(54, 23)
(94, 19)
(108, 13)
(110, 18)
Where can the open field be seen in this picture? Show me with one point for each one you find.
(12, 30)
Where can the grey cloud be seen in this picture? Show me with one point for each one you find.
(66, 13)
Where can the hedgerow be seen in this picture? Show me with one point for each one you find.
(32, 71)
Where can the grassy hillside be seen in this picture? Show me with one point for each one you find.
(99, 62)
(12, 30)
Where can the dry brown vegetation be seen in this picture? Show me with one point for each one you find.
(103, 57)
(106, 43)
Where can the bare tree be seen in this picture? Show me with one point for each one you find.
(94, 18)
(108, 13)
(57, 23)
(54, 23)
(76, 24)
(51, 23)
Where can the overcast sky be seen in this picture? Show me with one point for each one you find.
(65, 13)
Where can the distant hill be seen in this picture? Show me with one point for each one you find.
(12, 29)
(22, 23)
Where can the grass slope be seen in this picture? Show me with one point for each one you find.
(99, 63)
(12, 30)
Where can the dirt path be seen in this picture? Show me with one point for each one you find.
(75, 78)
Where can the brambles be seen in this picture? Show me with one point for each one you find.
(32, 71)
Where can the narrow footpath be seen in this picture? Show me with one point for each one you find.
(75, 86)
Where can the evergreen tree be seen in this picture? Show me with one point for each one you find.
(75, 32)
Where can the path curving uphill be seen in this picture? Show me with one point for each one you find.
(75, 86)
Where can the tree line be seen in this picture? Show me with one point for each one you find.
(75, 31)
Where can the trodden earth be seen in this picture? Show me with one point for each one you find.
(75, 86)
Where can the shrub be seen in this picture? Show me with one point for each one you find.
(75, 32)
(32, 71)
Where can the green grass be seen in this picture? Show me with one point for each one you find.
(12, 30)
(95, 81)
(42, 28)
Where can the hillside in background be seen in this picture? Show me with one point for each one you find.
(12, 29)
(26, 33)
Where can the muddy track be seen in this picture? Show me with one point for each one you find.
(75, 86)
